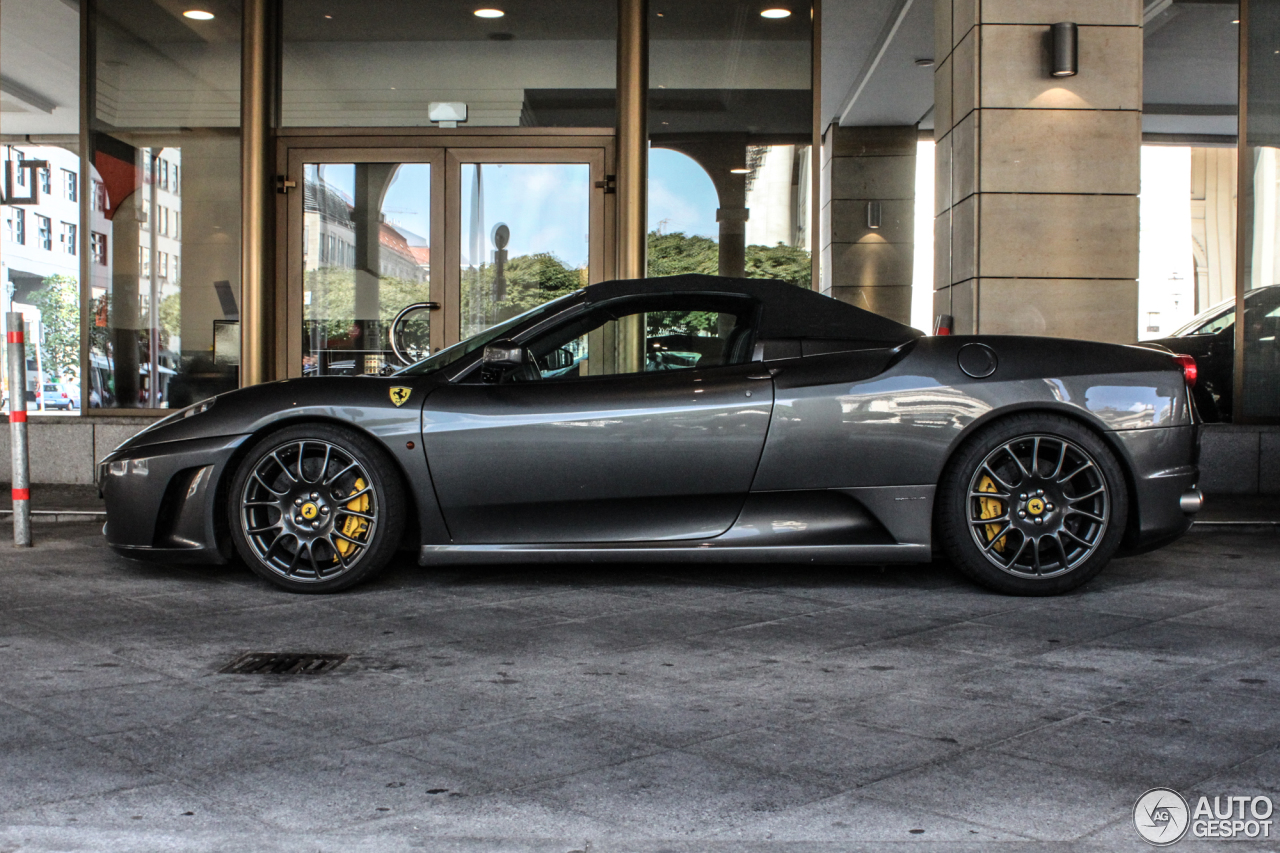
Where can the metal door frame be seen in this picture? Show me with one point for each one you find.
(445, 151)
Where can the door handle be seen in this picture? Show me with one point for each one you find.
(773, 371)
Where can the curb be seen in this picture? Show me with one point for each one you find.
(1235, 527)
(54, 516)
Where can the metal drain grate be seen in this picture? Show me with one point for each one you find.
(282, 663)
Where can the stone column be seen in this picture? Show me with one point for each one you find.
(1038, 176)
(869, 175)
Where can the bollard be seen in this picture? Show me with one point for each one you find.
(18, 429)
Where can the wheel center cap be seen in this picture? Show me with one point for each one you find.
(1035, 506)
(310, 511)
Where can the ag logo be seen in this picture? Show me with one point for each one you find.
(400, 395)
(309, 511)
(1161, 816)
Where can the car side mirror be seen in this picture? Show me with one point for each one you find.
(503, 355)
(558, 359)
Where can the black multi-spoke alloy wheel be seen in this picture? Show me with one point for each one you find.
(1032, 505)
(316, 508)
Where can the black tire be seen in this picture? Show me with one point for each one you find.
(1056, 512)
(346, 487)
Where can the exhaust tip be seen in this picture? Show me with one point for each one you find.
(1191, 501)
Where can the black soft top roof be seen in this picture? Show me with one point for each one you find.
(790, 311)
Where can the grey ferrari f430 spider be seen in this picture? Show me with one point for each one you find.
(683, 418)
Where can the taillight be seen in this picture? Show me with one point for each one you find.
(1189, 369)
(942, 326)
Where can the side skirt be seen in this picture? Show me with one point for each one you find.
(663, 552)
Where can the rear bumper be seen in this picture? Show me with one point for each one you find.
(1163, 465)
(161, 500)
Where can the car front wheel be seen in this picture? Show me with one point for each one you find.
(1033, 505)
(316, 508)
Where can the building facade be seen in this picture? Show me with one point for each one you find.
(271, 182)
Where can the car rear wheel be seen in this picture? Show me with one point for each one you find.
(316, 508)
(1033, 505)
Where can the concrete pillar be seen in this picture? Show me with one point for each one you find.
(1038, 176)
(869, 176)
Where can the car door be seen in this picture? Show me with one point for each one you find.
(664, 449)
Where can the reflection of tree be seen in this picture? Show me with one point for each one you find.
(530, 281)
(677, 253)
(59, 304)
(333, 299)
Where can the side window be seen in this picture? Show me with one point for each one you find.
(1217, 324)
(647, 335)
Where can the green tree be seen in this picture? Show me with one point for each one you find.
(59, 303)
(678, 253)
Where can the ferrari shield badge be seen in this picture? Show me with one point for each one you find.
(400, 395)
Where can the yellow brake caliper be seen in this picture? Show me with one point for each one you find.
(355, 527)
(991, 508)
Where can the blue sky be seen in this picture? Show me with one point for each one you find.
(546, 205)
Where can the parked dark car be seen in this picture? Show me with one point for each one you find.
(691, 418)
(1211, 340)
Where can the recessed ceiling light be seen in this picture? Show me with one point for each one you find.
(776, 13)
(489, 13)
(1236, 21)
(924, 63)
(198, 15)
(740, 171)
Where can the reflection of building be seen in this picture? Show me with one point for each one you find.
(778, 196)
(41, 238)
(329, 237)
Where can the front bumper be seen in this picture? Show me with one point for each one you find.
(161, 499)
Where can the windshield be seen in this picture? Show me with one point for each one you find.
(449, 355)
(1206, 323)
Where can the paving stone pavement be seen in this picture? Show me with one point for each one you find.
(645, 709)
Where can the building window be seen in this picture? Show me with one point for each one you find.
(99, 196)
(68, 237)
(164, 264)
(164, 174)
(18, 226)
(162, 221)
(70, 185)
(46, 181)
(20, 173)
(174, 188)
(44, 232)
(98, 246)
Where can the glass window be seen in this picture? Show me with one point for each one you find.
(69, 185)
(647, 335)
(168, 99)
(42, 276)
(159, 69)
(357, 218)
(46, 181)
(158, 324)
(44, 232)
(730, 125)
(524, 237)
(1259, 210)
(369, 63)
(98, 244)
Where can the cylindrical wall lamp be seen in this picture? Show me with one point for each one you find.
(1066, 54)
(873, 214)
